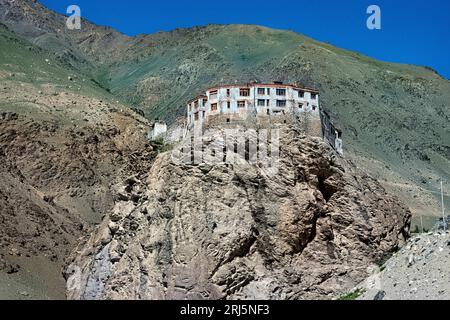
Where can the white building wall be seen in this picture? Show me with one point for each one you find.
(158, 130)
(231, 95)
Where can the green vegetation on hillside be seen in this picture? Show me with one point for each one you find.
(396, 116)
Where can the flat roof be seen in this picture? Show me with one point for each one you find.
(197, 98)
(252, 85)
(271, 85)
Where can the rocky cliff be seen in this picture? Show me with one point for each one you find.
(63, 143)
(231, 231)
(394, 116)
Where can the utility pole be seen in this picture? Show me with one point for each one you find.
(443, 209)
(421, 222)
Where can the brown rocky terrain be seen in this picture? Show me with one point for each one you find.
(214, 231)
(79, 178)
(63, 143)
(56, 182)
(394, 116)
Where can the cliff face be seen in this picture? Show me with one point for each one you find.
(55, 185)
(218, 231)
(63, 142)
(394, 116)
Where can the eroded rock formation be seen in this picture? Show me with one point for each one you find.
(231, 231)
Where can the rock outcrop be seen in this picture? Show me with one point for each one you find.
(215, 231)
(55, 178)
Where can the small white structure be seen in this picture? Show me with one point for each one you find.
(159, 128)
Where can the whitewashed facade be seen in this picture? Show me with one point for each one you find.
(158, 130)
(235, 102)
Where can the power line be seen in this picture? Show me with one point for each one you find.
(443, 209)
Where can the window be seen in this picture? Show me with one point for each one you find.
(301, 94)
(268, 91)
(261, 103)
(196, 104)
(213, 106)
(196, 116)
(241, 104)
(213, 94)
(261, 91)
(281, 103)
(229, 105)
(281, 92)
(267, 102)
(244, 92)
(204, 114)
(268, 111)
(228, 92)
(314, 108)
(313, 96)
(205, 101)
(228, 120)
(189, 108)
(300, 105)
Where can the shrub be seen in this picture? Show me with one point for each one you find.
(353, 295)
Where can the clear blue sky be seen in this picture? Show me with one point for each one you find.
(413, 31)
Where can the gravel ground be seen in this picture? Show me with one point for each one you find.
(419, 271)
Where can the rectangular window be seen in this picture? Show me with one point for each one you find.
(196, 116)
(229, 105)
(267, 102)
(300, 105)
(213, 94)
(281, 103)
(268, 111)
(281, 92)
(313, 96)
(196, 104)
(204, 114)
(245, 92)
(205, 101)
(213, 106)
(301, 94)
(268, 91)
(241, 104)
(189, 108)
(261, 91)
(228, 92)
(261, 103)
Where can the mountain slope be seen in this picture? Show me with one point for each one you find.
(394, 117)
(63, 142)
(235, 231)
(66, 138)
